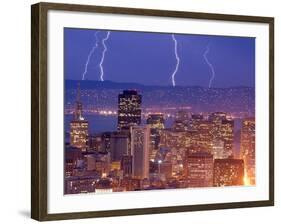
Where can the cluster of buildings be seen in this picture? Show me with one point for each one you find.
(197, 151)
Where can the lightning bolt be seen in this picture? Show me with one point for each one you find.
(177, 58)
(103, 54)
(90, 55)
(210, 66)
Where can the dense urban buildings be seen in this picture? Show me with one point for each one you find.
(161, 148)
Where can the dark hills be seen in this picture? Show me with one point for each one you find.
(104, 94)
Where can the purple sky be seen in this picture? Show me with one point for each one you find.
(149, 58)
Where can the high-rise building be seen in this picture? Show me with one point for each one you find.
(227, 136)
(140, 151)
(223, 131)
(79, 126)
(156, 122)
(72, 156)
(205, 137)
(129, 109)
(218, 149)
(247, 148)
(199, 169)
(119, 145)
(100, 142)
(228, 172)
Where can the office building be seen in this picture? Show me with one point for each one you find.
(119, 145)
(129, 109)
(79, 126)
(140, 151)
(199, 169)
(228, 172)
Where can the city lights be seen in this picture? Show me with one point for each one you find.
(157, 111)
(197, 150)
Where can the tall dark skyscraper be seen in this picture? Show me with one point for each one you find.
(129, 109)
(79, 126)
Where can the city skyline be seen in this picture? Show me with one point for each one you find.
(197, 151)
(133, 136)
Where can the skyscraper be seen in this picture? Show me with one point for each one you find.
(129, 109)
(228, 172)
(199, 169)
(140, 151)
(156, 122)
(72, 155)
(247, 148)
(205, 135)
(119, 145)
(227, 136)
(223, 131)
(79, 126)
(218, 149)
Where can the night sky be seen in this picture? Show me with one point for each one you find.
(149, 58)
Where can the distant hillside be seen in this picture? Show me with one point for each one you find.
(99, 94)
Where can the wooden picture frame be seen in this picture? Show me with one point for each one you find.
(39, 108)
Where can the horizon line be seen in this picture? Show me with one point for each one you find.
(135, 83)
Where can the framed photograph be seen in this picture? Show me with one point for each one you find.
(139, 111)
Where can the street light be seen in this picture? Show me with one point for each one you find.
(159, 163)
